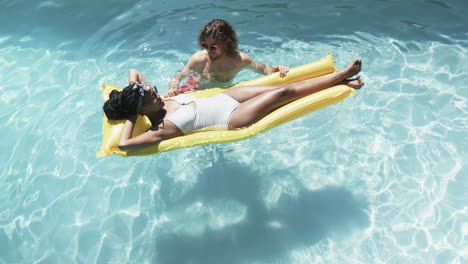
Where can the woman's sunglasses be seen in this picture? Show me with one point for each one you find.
(155, 90)
(210, 47)
(142, 88)
(155, 93)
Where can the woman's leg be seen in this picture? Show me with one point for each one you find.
(245, 93)
(256, 104)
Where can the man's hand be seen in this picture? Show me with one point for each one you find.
(283, 70)
(172, 92)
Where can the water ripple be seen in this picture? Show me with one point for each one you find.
(379, 177)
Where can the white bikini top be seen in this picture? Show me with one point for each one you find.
(206, 113)
(184, 117)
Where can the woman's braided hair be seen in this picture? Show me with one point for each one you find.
(122, 104)
(223, 32)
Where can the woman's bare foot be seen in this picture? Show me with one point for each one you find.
(352, 69)
(356, 83)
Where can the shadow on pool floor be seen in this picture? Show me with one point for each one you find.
(302, 221)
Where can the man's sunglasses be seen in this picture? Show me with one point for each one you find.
(211, 47)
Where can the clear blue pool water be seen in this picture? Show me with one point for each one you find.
(379, 178)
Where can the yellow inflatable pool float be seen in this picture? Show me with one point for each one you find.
(111, 129)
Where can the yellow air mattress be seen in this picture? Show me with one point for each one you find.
(111, 129)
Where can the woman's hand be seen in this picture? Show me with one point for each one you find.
(132, 118)
(127, 131)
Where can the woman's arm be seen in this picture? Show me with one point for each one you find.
(164, 130)
(135, 76)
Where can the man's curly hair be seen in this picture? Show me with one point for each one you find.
(223, 32)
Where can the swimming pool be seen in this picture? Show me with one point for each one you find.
(378, 178)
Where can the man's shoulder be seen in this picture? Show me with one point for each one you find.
(244, 57)
(200, 56)
(197, 60)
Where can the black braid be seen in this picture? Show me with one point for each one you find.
(122, 104)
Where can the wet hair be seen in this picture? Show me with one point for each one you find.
(122, 104)
(223, 32)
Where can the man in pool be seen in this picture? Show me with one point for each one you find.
(218, 61)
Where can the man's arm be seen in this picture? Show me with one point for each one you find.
(193, 65)
(265, 69)
(175, 82)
